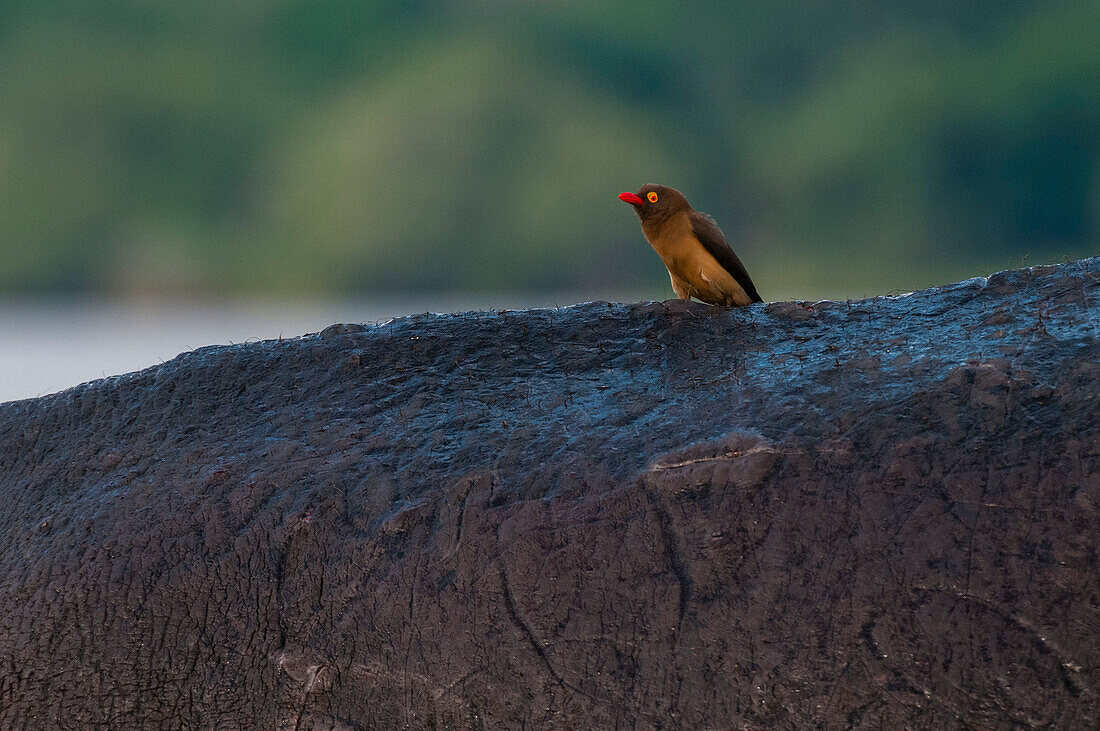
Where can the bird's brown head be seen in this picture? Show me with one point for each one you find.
(656, 202)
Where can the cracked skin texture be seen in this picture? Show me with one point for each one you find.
(865, 514)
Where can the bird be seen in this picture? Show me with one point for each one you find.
(699, 261)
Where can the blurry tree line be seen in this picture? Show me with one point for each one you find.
(344, 146)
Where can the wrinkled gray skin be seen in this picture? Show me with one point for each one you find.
(876, 513)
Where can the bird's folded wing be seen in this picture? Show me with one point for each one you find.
(712, 239)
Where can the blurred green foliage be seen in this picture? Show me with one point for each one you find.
(342, 146)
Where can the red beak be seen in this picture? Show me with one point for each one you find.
(631, 199)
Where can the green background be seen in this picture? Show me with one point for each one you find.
(350, 148)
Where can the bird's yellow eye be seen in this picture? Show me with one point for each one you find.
(652, 197)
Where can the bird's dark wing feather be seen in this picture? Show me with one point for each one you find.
(712, 239)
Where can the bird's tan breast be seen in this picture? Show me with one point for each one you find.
(689, 263)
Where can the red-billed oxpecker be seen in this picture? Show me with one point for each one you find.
(699, 261)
